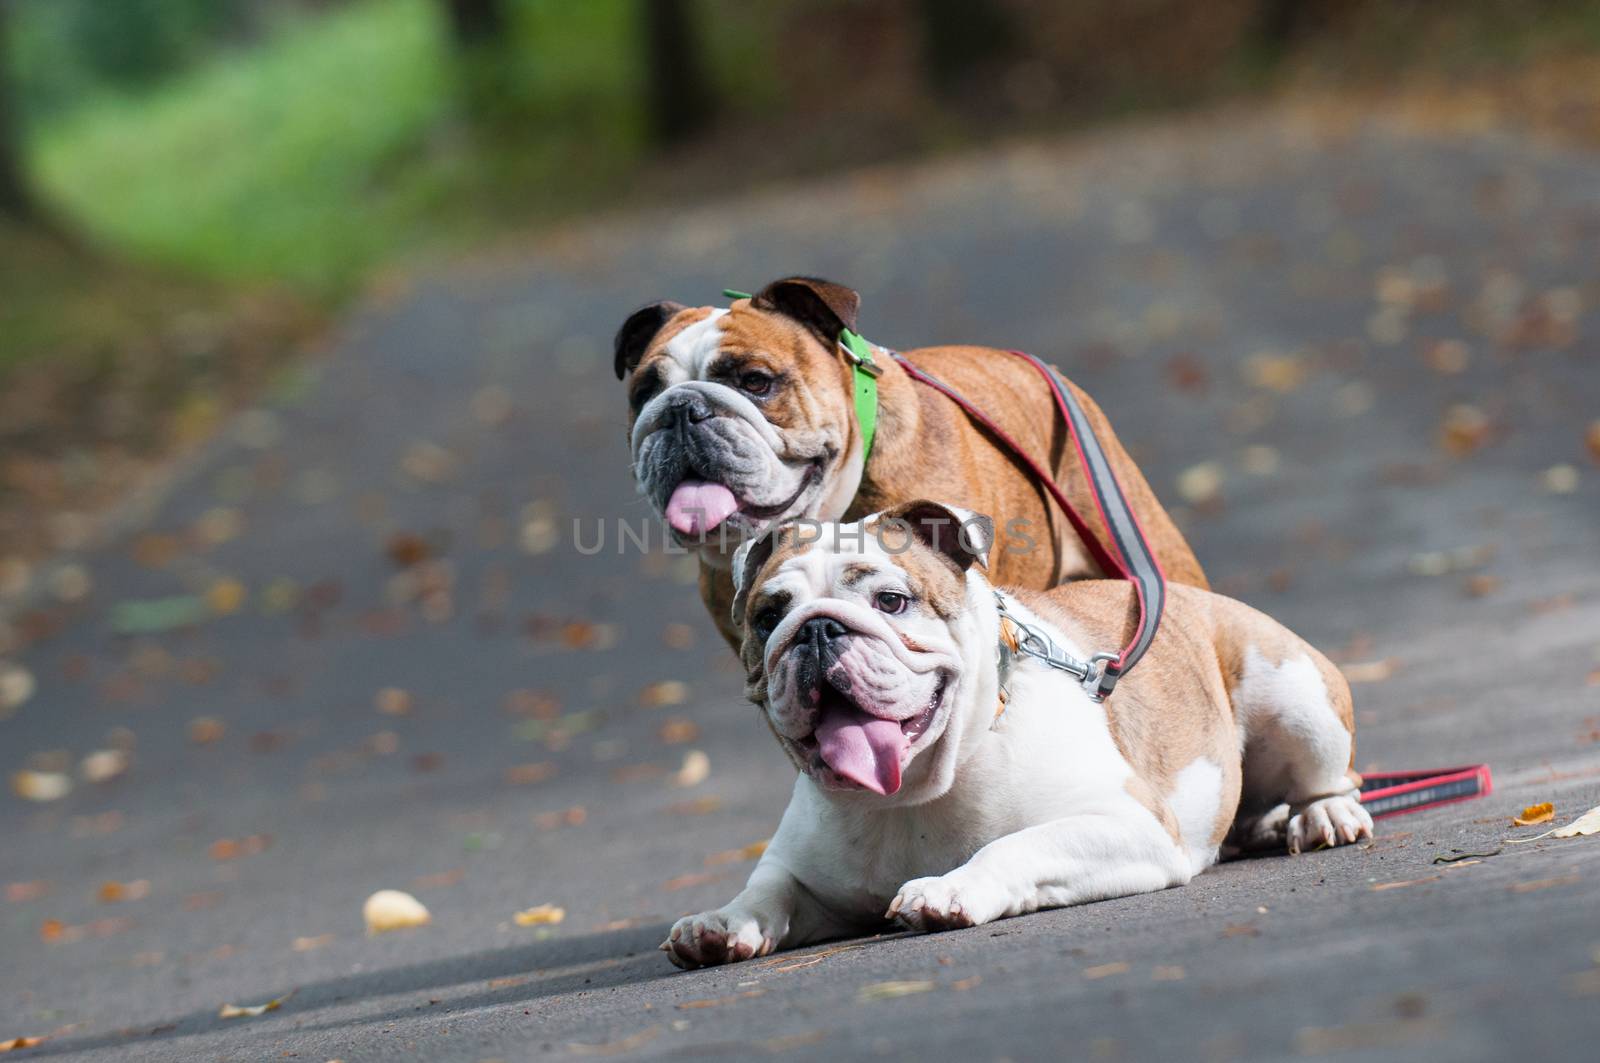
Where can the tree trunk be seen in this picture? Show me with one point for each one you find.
(474, 23)
(678, 100)
(15, 200)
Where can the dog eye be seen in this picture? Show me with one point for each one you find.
(890, 602)
(766, 622)
(755, 383)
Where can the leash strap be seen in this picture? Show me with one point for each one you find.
(1395, 793)
(1133, 559)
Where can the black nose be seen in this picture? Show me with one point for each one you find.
(690, 407)
(820, 629)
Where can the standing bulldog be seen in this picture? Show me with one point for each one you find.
(948, 780)
(743, 418)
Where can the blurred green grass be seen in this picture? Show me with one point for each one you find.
(340, 143)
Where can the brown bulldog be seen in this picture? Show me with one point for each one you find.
(743, 418)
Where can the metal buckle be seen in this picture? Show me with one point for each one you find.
(866, 365)
(1031, 642)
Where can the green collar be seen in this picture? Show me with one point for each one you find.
(864, 374)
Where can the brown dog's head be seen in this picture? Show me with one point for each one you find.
(867, 645)
(742, 418)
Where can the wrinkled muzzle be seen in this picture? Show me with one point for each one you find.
(703, 453)
(850, 696)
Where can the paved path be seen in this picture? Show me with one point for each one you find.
(1271, 307)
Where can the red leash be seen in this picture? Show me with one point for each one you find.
(1383, 793)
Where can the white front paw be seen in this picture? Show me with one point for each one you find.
(724, 936)
(942, 903)
(1329, 822)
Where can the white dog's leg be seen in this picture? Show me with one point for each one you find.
(773, 911)
(1068, 861)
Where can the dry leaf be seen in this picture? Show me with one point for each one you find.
(113, 892)
(16, 686)
(526, 774)
(1105, 970)
(41, 785)
(1369, 671)
(539, 915)
(1535, 814)
(1592, 439)
(696, 767)
(16, 1043)
(1588, 823)
(1200, 483)
(226, 596)
(677, 731)
(392, 701)
(665, 692)
(893, 990)
(204, 730)
(1559, 479)
(700, 806)
(103, 765)
(393, 910)
(752, 851)
(306, 944)
(248, 1011)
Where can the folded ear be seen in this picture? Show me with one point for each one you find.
(637, 332)
(747, 561)
(959, 534)
(822, 306)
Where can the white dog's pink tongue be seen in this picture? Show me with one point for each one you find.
(863, 748)
(696, 507)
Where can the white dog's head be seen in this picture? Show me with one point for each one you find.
(871, 646)
(743, 418)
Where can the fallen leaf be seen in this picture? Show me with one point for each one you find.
(1588, 823)
(1282, 373)
(1481, 585)
(16, 687)
(696, 768)
(1592, 439)
(1533, 814)
(248, 1011)
(226, 596)
(393, 910)
(665, 692)
(752, 851)
(1369, 671)
(685, 881)
(676, 732)
(204, 730)
(567, 817)
(539, 915)
(1559, 479)
(1244, 930)
(963, 984)
(306, 944)
(678, 636)
(41, 785)
(103, 765)
(1464, 429)
(893, 990)
(1105, 970)
(392, 701)
(19, 892)
(112, 892)
(1201, 483)
(16, 1043)
(526, 774)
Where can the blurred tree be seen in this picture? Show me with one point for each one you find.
(15, 199)
(475, 23)
(678, 100)
(962, 38)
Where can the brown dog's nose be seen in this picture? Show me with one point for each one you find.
(690, 407)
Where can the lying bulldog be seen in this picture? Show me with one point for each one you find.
(744, 418)
(947, 780)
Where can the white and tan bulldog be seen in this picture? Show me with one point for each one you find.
(743, 418)
(947, 781)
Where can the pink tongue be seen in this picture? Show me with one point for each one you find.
(697, 506)
(863, 748)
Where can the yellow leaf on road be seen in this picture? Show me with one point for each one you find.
(540, 915)
(393, 910)
(1543, 813)
(248, 1011)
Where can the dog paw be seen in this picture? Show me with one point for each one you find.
(710, 938)
(943, 903)
(1328, 822)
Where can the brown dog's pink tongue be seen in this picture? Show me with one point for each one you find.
(697, 506)
(863, 748)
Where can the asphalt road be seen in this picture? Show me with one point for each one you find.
(1349, 361)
